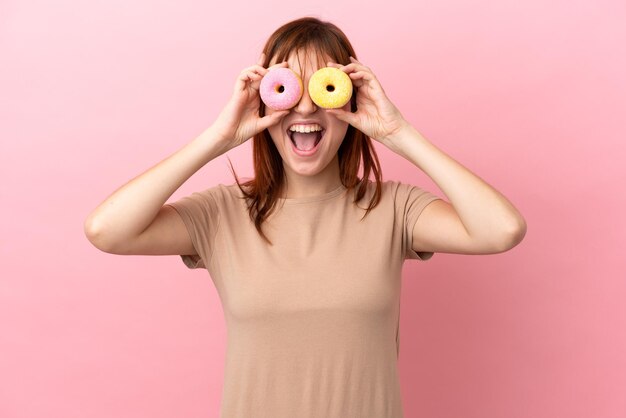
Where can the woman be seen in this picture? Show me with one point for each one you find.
(307, 256)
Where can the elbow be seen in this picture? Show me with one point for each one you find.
(513, 235)
(90, 228)
(95, 236)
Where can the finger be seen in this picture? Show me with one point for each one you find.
(245, 78)
(348, 68)
(250, 75)
(269, 120)
(242, 79)
(343, 115)
(255, 68)
(357, 79)
(255, 81)
(252, 78)
(361, 75)
(357, 66)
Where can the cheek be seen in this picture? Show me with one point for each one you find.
(278, 136)
(275, 134)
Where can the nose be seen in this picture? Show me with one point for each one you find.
(305, 106)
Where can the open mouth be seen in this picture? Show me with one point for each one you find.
(307, 142)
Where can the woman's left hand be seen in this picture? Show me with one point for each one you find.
(376, 116)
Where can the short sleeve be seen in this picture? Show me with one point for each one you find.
(200, 213)
(411, 201)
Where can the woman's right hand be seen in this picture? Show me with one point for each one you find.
(239, 120)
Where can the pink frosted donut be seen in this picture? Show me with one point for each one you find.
(281, 88)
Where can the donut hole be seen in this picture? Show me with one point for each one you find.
(280, 89)
(330, 88)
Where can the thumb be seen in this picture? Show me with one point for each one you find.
(269, 120)
(342, 115)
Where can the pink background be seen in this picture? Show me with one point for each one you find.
(530, 96)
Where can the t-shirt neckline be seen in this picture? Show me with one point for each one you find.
(309, 199)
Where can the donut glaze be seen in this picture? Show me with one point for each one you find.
(330, 88)
(281, 88)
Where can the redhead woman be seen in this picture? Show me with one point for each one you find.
(307, 255)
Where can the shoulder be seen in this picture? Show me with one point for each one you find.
(404, 191)
(397, 190)
(386, 186)
(214, 196)
(228, 196)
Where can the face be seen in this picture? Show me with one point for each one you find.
(324, 162)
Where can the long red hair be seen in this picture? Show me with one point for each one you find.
(308, 33)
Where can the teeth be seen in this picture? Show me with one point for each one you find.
(306, 128)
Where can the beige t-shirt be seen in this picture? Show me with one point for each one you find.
(313, 320)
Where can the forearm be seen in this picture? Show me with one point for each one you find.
(131, 208)
(485, 212)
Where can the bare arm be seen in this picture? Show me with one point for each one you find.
(478, 220)
(128, 211)
(134, 220)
